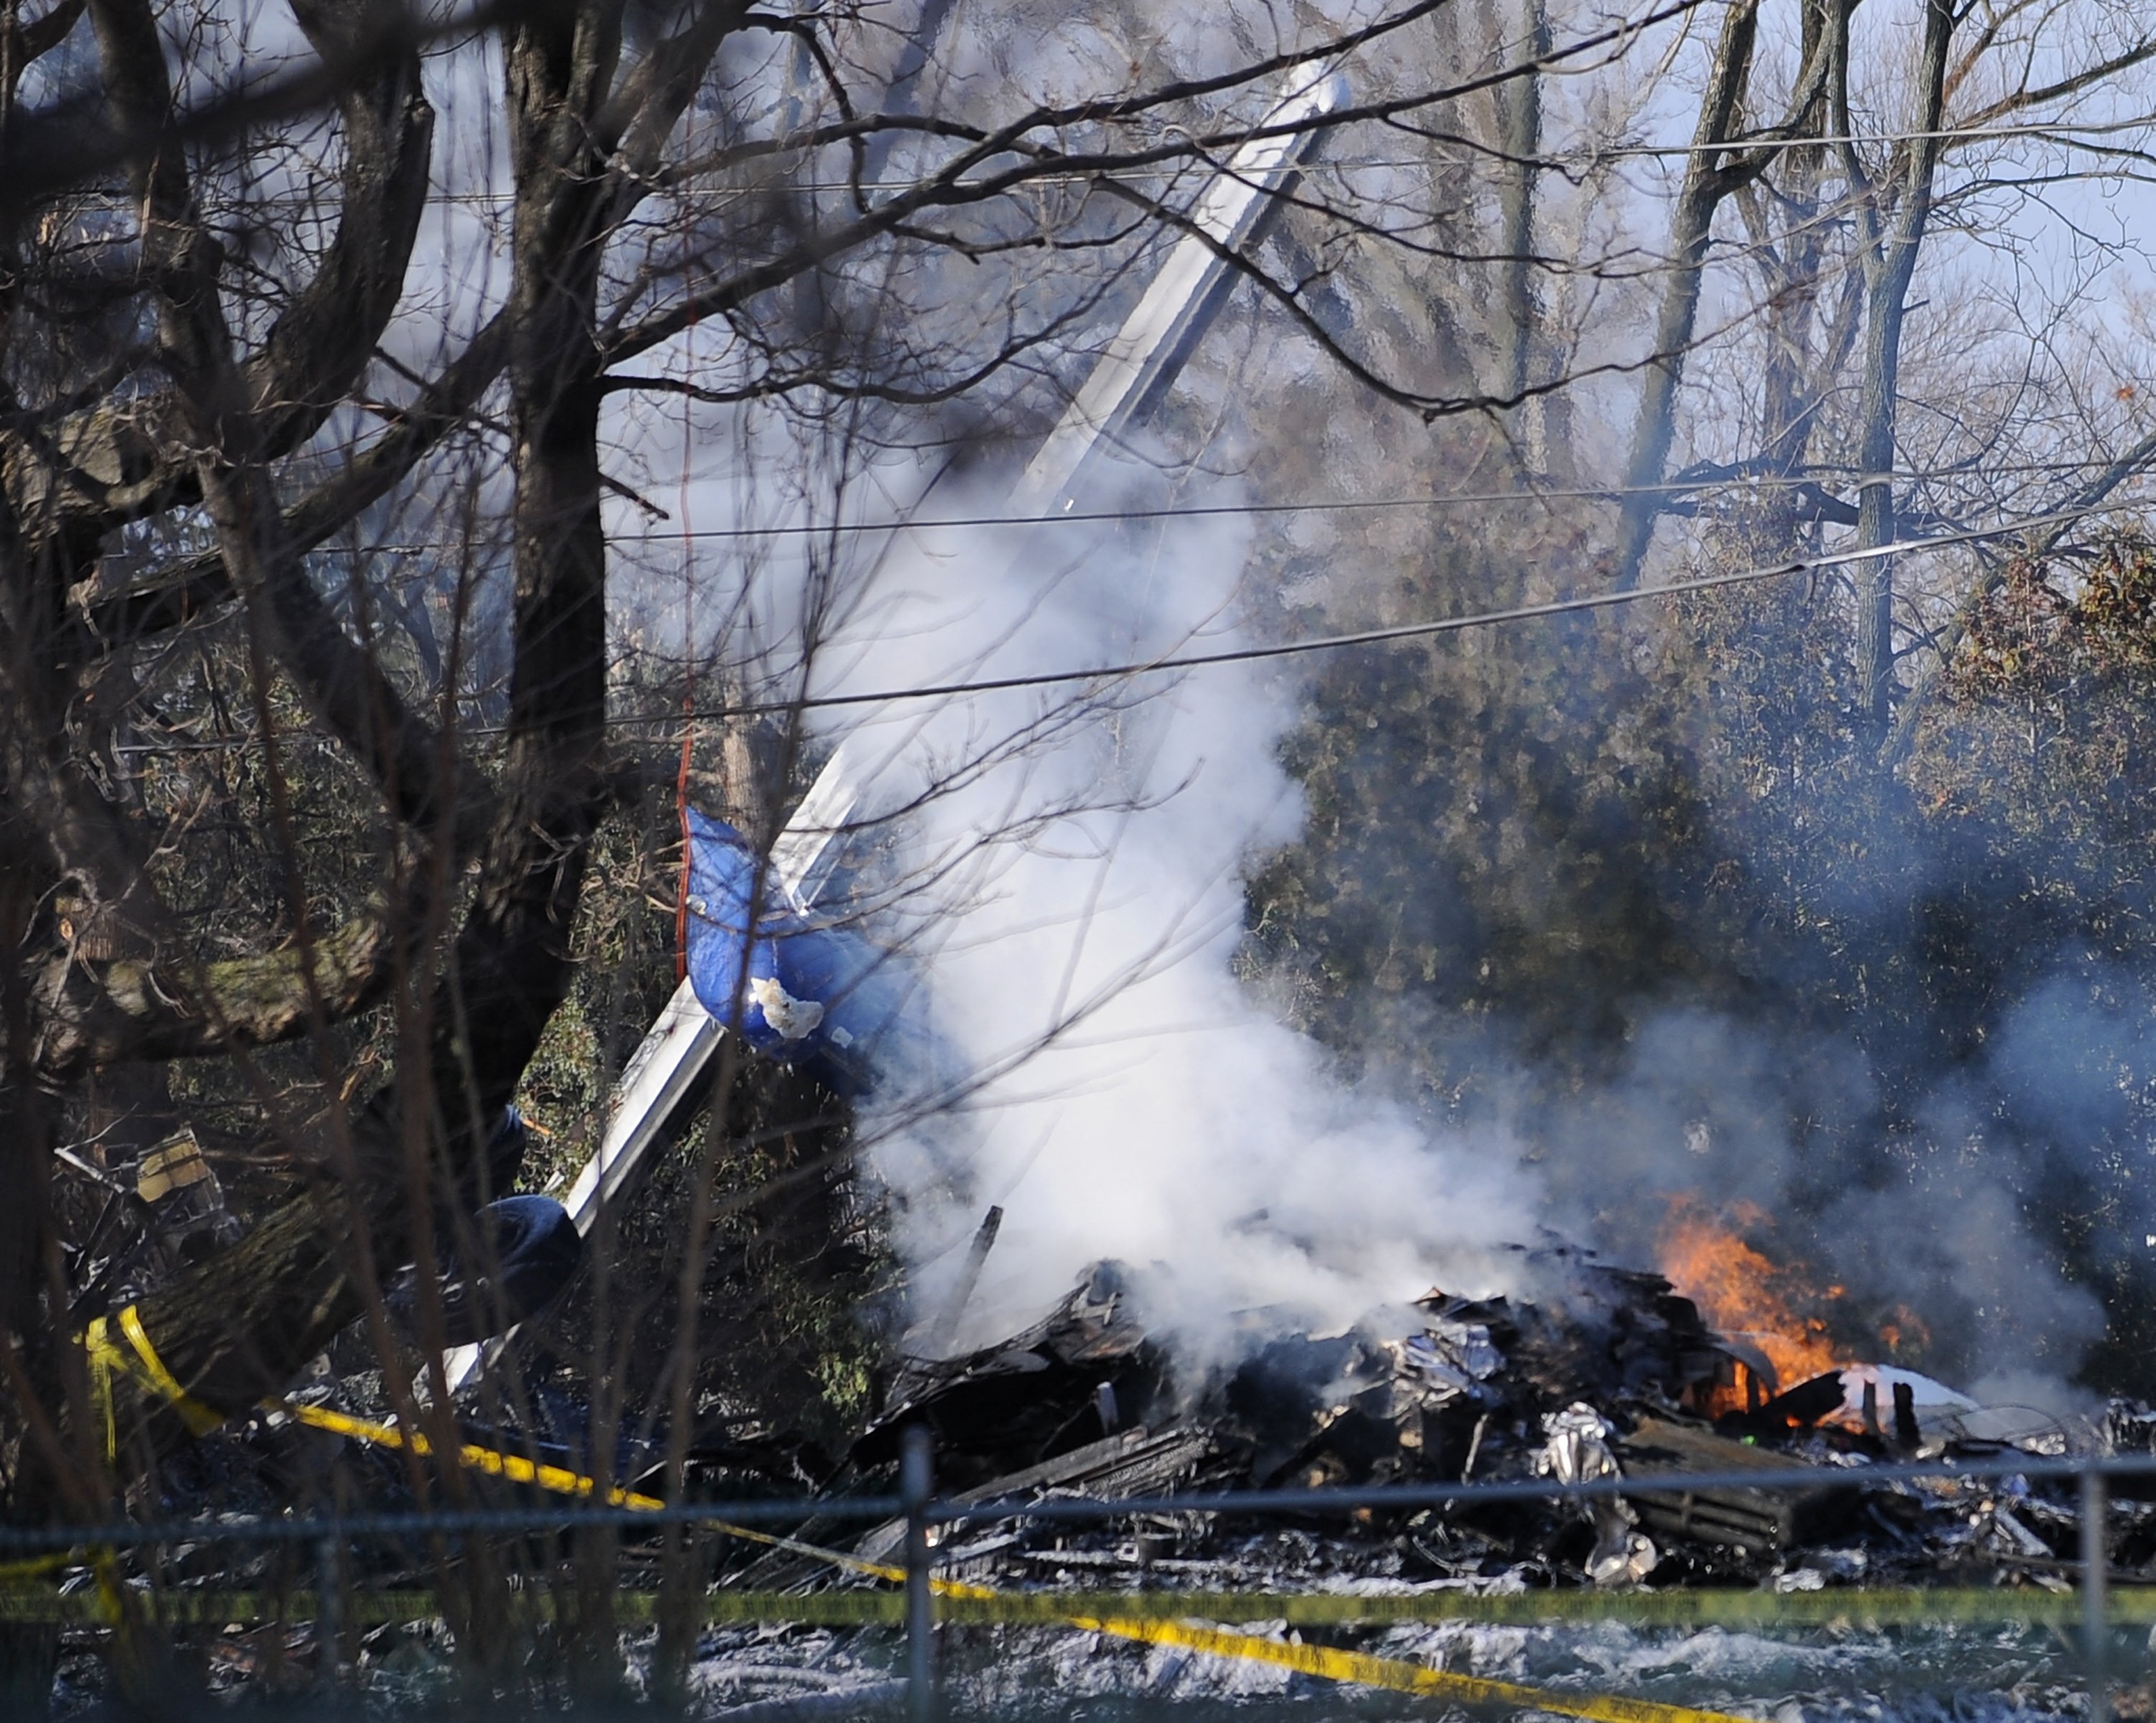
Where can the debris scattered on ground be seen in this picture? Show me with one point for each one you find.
(1608, 1373)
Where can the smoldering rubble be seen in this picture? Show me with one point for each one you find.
(1610, 1373)
(1604, 1372)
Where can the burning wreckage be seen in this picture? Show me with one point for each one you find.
(1600, 1373)
(1606, 1373)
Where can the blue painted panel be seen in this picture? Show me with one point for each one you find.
(733, 959)
(802, 990)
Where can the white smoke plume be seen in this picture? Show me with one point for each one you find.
(1065, 866)
(1085, 908)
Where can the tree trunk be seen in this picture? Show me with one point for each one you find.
(1890, 249)
(1875, 511)
(1691, 226)
(1520, 128)
(510, 967)
(1805, 351)
(242, 1325)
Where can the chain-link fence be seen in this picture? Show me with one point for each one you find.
(350, 1574)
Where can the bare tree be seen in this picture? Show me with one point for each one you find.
(1809, 373)
(221, 425)
(1714, 170)
(1520, 127)
(1891, 221)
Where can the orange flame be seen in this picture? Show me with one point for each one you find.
(1748, 1295)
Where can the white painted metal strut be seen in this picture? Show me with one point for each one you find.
(1157, 334)
(1145, 351)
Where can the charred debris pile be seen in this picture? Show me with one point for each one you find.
(1604, 1372)
(1607, 1372)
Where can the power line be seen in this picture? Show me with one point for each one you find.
(1585, 155)
(1281, 649)
(1402, 631)
(2058, 130)
(1853, 476)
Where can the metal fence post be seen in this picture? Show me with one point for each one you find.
(325, 1609)
(916, 1485)
(2095, 1578)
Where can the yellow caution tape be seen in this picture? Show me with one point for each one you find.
(106, 1572)
(139, 1359)
(1352, 1667)
(12, 1572)
(513, 1467)
(1361, 1670)
(200, 1419)
(104, 1358)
